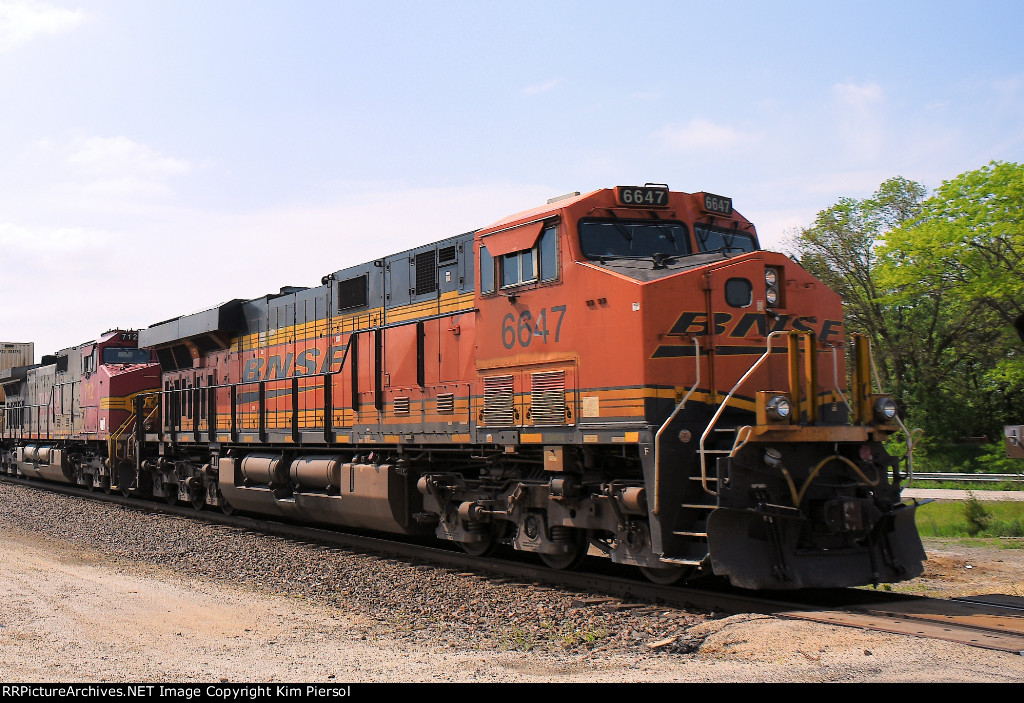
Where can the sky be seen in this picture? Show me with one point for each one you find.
(158, 158)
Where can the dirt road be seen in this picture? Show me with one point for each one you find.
(72, 614)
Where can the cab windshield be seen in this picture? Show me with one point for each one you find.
(126, 355)
(719, 239)
(631, 239)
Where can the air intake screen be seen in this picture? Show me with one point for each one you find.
(352, 293)
(426, 272)
(548, 399)
(499, 401)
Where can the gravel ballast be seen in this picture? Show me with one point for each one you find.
(243, 606)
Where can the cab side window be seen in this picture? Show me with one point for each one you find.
(486, 271)
(538, 264)
(519, 267)
(547, 249)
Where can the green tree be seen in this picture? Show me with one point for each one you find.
(840, 248)
(935, 285)
(969, 239)
(962, 255)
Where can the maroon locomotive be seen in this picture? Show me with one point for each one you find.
(72, 417)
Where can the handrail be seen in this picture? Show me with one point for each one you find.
(657, 436)
(211, 428)
(721, 408)
(835, 378)
(115, 436)
(910, 434)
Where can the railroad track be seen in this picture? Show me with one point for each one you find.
(992, 622)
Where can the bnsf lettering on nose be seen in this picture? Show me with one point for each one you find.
(725, 324)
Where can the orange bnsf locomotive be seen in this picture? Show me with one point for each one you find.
(622, 372)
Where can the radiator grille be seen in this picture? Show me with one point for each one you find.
(548, 398)
(499, 401)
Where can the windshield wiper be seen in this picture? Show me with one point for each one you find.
(660, 260)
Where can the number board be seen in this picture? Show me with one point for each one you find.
(718, 204)
(642, 196)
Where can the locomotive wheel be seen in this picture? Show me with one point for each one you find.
(571, 559)
(225, 507)
(106, 485)
(171, 497)
(479, 549)
(125, 479)
(198, 501)
(665, 575)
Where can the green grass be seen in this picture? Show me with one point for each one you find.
(972, 518)
(969, 485)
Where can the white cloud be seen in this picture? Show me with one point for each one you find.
(645, 96)
(541, 87)
(21, 21)
(1008, 89)
(117, 171)
(88, 173)
(121, 156)
(19, 240)
(700, 134)
(859, 97)
(860, 120)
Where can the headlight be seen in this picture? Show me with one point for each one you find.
(885, 409)
(778, 407)
(770, 277)
(772, 296)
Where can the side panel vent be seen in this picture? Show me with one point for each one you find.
(401, 405)
(446, 255)
(499, 401)
(548, 398)
(445, 403)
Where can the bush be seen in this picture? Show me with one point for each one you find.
(978, 518)
(963, 458)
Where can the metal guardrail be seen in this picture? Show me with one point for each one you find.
(968, 478)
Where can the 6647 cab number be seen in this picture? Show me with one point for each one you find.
(642, 196)
(525, 329)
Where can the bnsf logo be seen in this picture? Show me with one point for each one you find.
(282, 367)
(728, 325)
